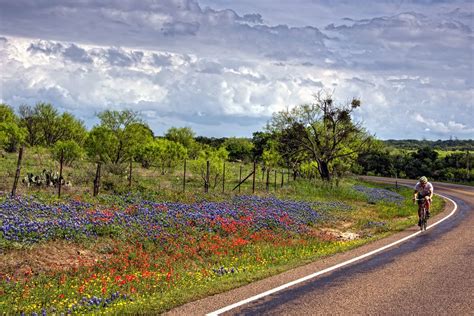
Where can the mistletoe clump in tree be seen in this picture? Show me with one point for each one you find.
(323, 132)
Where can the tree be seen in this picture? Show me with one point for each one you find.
(7, 114)
(422, 162)
(211, 141)
(69, 150)
(127, 130)
(135, 136)
(290, 148)
(11, 134)
(240, 149)
(181, 135)
(70, 128)
(271, 157)
(216, 158)
(378, 160)
(100, 144)
(309, 169)
(185, 137)
(30, 122)
(260, 141)
(48, 119)
(162, 153)
(46, 126)
(323, 130)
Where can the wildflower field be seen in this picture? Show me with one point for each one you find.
(139, 255)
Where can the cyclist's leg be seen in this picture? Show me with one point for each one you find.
(420, 207)
(428, 205)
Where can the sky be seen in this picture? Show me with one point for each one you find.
(224, 67)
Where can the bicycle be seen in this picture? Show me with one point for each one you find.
(423, 215)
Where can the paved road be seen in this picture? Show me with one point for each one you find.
(431, 274)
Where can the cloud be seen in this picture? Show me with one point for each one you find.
(45, 47)
(77, 54)
(119, 57)
(71, 52)
(444, 128)
(253, 18)
(212, 61)
(461, 14)
(163, 60)
(184, 88)
(181, 26)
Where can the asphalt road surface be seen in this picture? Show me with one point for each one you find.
(430, 274)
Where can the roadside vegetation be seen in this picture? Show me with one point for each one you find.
(131, 254)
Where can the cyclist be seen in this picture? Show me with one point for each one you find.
(423, 191)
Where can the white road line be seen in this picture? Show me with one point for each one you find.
(337, 266)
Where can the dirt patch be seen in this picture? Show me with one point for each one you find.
(339, 235)
(48, 257)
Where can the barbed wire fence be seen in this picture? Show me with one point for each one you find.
(35, 172)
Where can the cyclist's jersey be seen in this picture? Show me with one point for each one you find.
(424, 191)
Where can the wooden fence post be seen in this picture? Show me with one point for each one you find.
(240, 176)
(184, 177)
(97, 180)
(253, 178)
(61, 161)
(17, 173)
(275, 180)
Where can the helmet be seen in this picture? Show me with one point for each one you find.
(423, 179)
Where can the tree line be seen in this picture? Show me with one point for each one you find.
(449, 144)
(390, 161)
(319, 137)
(315, 140)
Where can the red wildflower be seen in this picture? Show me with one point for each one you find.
(130, 277)
(81, 289)
(239, 242)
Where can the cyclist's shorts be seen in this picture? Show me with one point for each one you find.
(420, 197)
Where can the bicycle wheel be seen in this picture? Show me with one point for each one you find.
(423, 218)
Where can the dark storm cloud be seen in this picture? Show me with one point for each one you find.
(46, 48)
(180, 28)
(152, 24)
(77, 54)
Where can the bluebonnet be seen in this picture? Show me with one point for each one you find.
(29, 221)
(376, 195)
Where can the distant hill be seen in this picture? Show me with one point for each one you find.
(451, 144)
